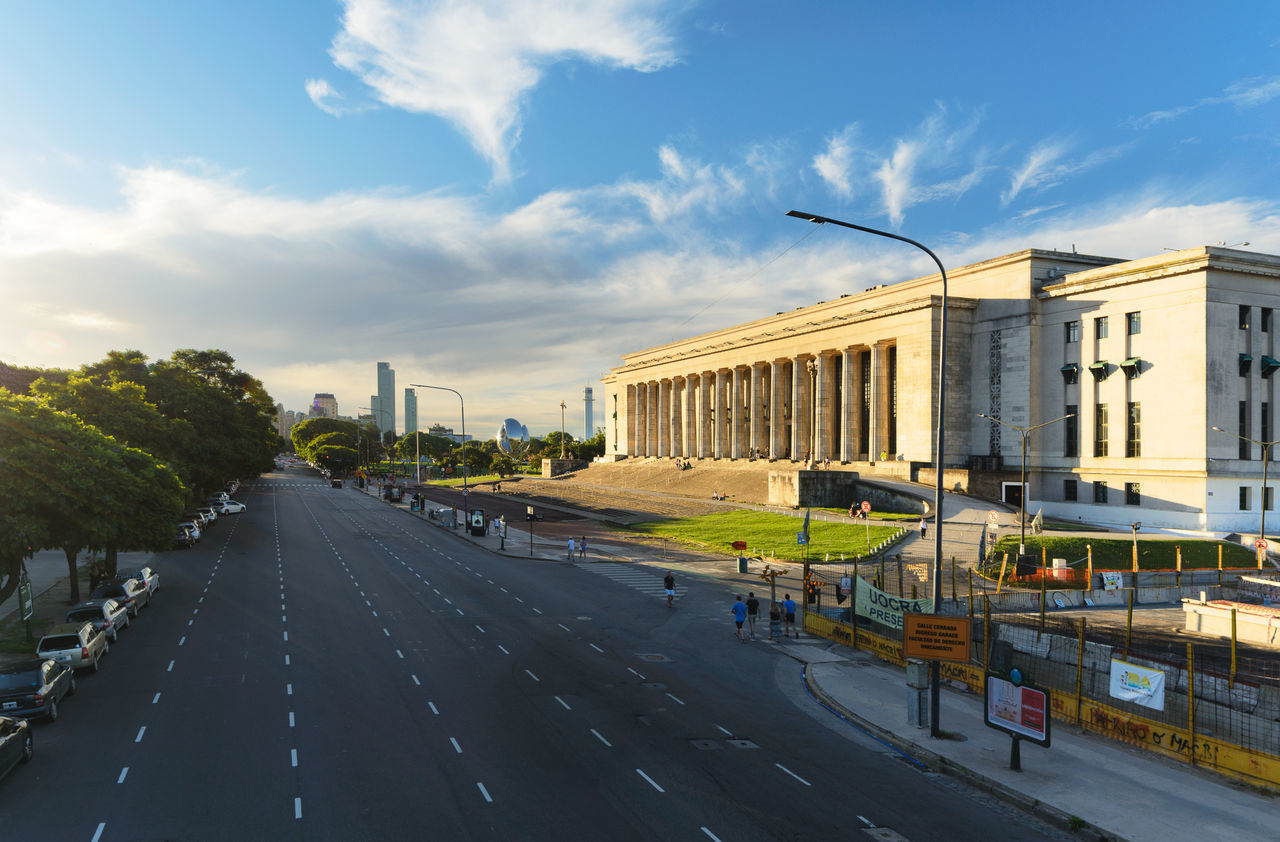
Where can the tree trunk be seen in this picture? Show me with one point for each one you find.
(111, 561)
(75, 575)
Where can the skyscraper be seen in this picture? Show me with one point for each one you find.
(385, 404)
(410, 411)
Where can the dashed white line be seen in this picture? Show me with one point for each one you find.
(563, 626)
(297, 808)
(710, 834)
(562, 702)
(597, 648)
(865, 821)
(793, 774)
(651, 781)
(293, 756)
(141, 731)
(484, 792)
(170, 669)
(182, 640)
(531, 675)
(600, 738)
(384, 631)
(288, 689)
(504, 649)
(291, 723)
(286, 660)
(98, 833)
(636, 674)
(123, 772)
(724, 730)
(536, 611)
(155, 699)
(480, 629)
(432, 705)
(286, 637)
(415, 680)
(456, 747)
(674, 699)
(401, 654)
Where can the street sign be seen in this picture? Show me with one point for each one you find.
(1262, 544)
(802, 538)
(866, 505)
(846, 585)
(993, 516)
(1018, 710)
(934, 638)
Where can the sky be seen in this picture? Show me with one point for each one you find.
(504, 198)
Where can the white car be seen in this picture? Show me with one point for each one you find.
(146, 575)
(231, 507)
(190, 526)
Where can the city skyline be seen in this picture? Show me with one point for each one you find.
(508, 207)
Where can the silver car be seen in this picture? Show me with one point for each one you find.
(146, 575)
(106, 614)
(77, 645)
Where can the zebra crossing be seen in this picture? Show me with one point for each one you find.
(638, 578)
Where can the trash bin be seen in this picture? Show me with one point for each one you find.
(742, 565)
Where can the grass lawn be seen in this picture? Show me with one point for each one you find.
(873, 514)
(457, 481)
(1117, 553)
(765, 533)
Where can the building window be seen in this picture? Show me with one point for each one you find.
(1264, 319)
(1100, 328)
(1133, 323)
(1100, 429)
(1071, 444)
(1244, 316)
(1244, 430)
(1133, 494)
(1133, 430)
(1072, 332)
(1266, 498)
(1070, 374)
(1265, 432)
(1099, 492)
(1069, 490)
(1245, 503)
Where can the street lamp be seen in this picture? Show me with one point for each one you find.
(1266, 457)
(464, 431)
(561, 429)
(1025, 432)
(934, 672)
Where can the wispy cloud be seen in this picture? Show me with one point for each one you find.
(473, 62)
(1245, 93)
(323, 95)
(933, 148)
(1046, 166)
(835, 165)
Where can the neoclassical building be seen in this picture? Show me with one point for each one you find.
(1145, 356)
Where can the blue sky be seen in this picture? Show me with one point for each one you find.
(505, 197)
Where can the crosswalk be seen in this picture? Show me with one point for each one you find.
(637, 578)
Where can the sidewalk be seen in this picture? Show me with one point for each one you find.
(1120, 791)
(48, 570)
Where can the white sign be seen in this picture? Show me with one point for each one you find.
(887, 610)
(1137, 684)
(1112, 580)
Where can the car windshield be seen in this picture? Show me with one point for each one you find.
(20, 680)
(109, 590)
(59, 641)
(81, 615)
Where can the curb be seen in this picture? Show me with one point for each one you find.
(937, 763)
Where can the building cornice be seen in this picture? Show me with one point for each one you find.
(1161, 266)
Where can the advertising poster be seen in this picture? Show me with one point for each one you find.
(1140, 685)
(1019, 710)
(880, 607)
(1112, 581)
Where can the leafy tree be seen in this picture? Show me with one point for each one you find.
(590, 448)
(336, 458)
(502, 465)
(305, 432)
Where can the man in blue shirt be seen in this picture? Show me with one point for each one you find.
(789, 612)
(739, 610)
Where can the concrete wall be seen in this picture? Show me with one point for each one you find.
(837, 489)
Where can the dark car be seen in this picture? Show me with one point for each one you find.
(183, 539)
(33, 687)
(15, 743)
(130, 593)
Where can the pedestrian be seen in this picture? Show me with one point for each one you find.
(669, 582)
(923, 526)
(826, 464)
(853, 510)
(789, 613)
(753, 611)
(570, 549)
(739, 610)
(582, 547)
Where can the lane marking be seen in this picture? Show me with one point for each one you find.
(384, 631)
(479, 629)
(600, 738)
(865, 821)
(155, 698)
(456, 747)
(123, 772)
(286, 660)
(562, 702)
(288, 689)
(401, 654)
(674, 699)
(293, 756)
(415, 680)
(484, 792)
(793, 774)
(297, 808)
(432, 705)
(286, 637)
(636, 674)
(170, 669)
(597, 648)
(563, 626)
(141, 731)
(651, 781)
(182, 640)
(534, 677)
(290, 719)
(98, 833)
(724, 730)
(504, 649)
(536, 611)
(709, 833)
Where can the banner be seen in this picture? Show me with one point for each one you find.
(1112, 581)
(1137, 684)
(880, 607)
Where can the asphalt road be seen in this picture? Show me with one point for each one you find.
(325, 667)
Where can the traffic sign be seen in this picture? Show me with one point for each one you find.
(1261, 544)
(935, 638)
(993, 516)
(866, 505)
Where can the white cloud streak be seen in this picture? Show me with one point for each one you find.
(1244, 93)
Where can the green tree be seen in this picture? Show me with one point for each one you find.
(502, 465)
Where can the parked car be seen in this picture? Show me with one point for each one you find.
(192, 528)
(221, 496)
(199, 518)
(107, 615)
(146, 575)
(15, 743)
(76, 645)
(34, 687)
(231, 507)
(129, 592)
(209, 513)
(183, 539)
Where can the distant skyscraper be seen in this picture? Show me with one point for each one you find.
(410, 411)
(586, 397)
(324, 405)
(385, 408)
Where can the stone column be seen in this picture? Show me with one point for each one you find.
(777, 410)
(718, 443)
(690, 441)
(664, 418)
(822, 398)
(755, 441)
(737, 431)
(677, 428)
(641, 428)
(848, 409)
(705, 405)
(879, 438)
(801, 409)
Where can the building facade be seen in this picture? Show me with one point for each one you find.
(1141, 358)
(324, 405)
(410, 412)
(383, 404)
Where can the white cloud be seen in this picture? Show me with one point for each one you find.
(323, 94)
(1244, 93)
(473, 62)
(835, 165)
(1045, 167)
(933, 149)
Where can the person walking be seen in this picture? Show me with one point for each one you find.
(669, 582)
(789, 614)
(570, 549)
(923, 527)
(582, 547)
(739, 610)
(753, 611)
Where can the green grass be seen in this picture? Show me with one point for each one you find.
(873, 514)
(457, 481)
(1117, 553)
(765, 533)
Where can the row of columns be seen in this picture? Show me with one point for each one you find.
(778, 406)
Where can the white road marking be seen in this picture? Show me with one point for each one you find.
(297, 808)
(141, 731)
(293, 756)
(459, 610)
(155, 699)
(636, 674)
(709, 833)
(432, 705)
(288, 689)
(286, 637)
(456, 747)
(98, 833)
(674, 699)
(518, 599)
(724, 730)
(531, 675)
(536, 611)
(123, 772)
(562, 702)
(384, 631)
(415, 680)
(504, 649)
(286, 660)
(600, 738)
(170, 669)
(479, 629)
(401, 654)
(650, 780)
(182, 640)
(865, 821)
(563, 626)
(484, 792)
(597, 648)
(290, 719)
(793, 774)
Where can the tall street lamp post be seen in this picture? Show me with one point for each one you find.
(464, 432)
(1266, 457)
(561, 429)
(1025, 432)
(934, 672)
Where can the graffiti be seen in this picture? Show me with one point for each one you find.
(1120, 727)
(1198, 751)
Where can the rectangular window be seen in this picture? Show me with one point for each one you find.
(1071, 443)
(1069, 490)
(1133, 323)
(1264, 319)
(1072, 330)
(1245, 503)
(1100, 328)
(1265, 432)
(1244, 316)
(1100, 429)
(1244, 430)
(1099, 492)
(1267, 499)
(1133, 430)
(1133, 494)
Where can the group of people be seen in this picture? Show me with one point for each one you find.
(747, 612)
(683, 464)
(580, 546)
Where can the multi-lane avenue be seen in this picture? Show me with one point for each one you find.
(327, 667)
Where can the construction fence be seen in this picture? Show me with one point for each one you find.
(1201, 701)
